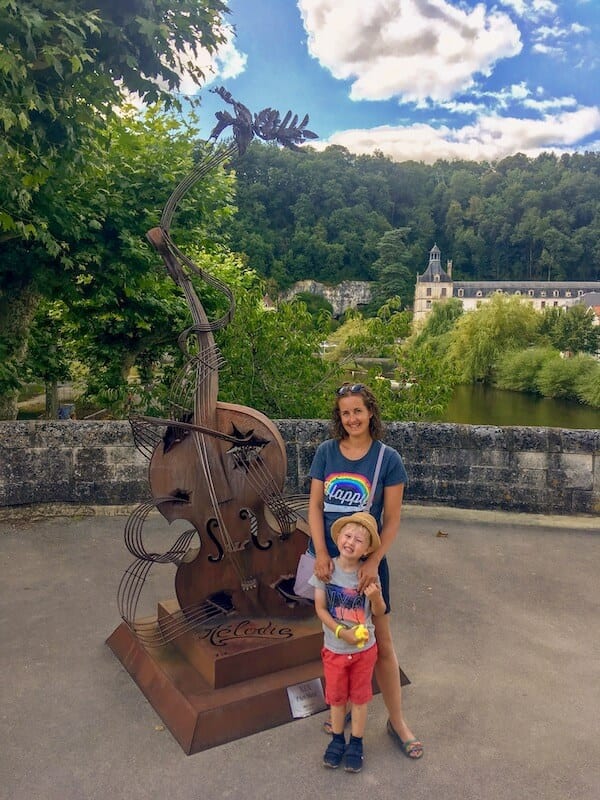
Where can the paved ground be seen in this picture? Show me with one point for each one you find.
(497, 625)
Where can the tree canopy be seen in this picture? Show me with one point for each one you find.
(65, 66)
(333, 216)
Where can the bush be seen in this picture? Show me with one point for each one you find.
(560, 377)
(519, 369)
(588, 386)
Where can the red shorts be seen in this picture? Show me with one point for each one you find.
(349, 676)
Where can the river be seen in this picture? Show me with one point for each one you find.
(483, 405)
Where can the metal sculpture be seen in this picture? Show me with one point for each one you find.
(219, 466)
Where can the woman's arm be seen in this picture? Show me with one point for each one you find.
(316, 523)
(392, 511)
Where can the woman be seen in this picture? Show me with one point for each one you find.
(342, 474)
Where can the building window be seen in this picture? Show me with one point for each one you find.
(461, 292)
(479, 293)
(555, 303)
(428, 304)
(567, 293)
(429, 292)
(555, 293)
(518, 293)
(579, 292)
(543, 294)
(543, 304)
(530, 292)
(444, 292)
(436, 278)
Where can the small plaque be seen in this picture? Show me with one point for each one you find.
(306, 698)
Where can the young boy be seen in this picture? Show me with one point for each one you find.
(349, 648)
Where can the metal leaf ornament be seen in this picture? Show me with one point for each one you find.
(266, 125)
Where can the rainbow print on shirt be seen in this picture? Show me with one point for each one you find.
(345, 491)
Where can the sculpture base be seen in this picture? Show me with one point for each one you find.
(208, 692)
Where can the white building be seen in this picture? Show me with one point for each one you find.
(436, 284)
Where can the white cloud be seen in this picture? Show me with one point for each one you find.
(545, 32)
(488, 139)
(226, 62)
(548, 50)
(555, 40)
(533, 9)
(414, 50)
(553, 102)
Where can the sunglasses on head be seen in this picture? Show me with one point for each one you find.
(350, 388)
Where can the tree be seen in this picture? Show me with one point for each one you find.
(272, 361)
(64, 69)
(125, 308)
(571, 330)
(481, 336)
(50, 352)
(394, 278)
(441, 320)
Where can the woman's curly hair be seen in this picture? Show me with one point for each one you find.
(375, 425)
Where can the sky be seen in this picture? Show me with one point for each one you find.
(419, 79)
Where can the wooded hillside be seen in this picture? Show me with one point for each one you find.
(323, 215)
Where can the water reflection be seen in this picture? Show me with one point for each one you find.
(484, 405)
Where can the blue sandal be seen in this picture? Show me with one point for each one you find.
(334, 753)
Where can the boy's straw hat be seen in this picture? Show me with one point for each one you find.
(363, 518)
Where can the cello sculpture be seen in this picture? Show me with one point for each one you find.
(219, 466)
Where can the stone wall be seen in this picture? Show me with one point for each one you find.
(348, 294)
(535, 470)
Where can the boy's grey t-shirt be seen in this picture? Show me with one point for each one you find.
(346, 605)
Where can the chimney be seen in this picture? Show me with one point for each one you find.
(449, 267)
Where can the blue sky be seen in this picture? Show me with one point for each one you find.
(420, 79)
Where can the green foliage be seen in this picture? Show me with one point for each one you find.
(272, 359)
(315, 304)
(330, 216)
(519, 369)
(65, 66)
(482, 335)
(571, 330)
(125, 308)
(560, 377)
(394, 278)
(422, 382)
(50, 350)
(373, 337)
(63, 69)
(441, 320)
(426, 383)
(588, 385)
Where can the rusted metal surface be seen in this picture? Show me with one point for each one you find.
(198, 715)
(219, 466)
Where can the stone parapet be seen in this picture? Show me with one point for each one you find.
(534, 470)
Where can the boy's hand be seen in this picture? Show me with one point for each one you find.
(361, 635)
(372, 591)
